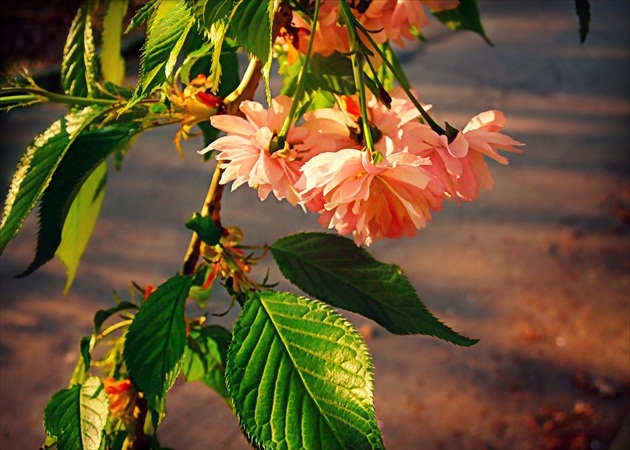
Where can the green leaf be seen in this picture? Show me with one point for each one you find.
(155, 342)
(166, 35)
(36, 168)
(464, 17)
(205, 228)
(142, 15)
(85, 358)
(79, 64)
(209, 13)
(80, 222)
(583, 10)
(249, 23)
(333, 269)
(329, 73)
(251, 27)
(103, 314)
(212, 18)
(77, 416)
(300, 376)
(204, 360)
(386, 76)
(112, 63)
(86, 153)
(199, 56)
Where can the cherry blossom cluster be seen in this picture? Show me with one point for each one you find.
(324, 164)
(387, 20)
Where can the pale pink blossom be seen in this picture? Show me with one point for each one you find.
(244, 152)
(389, 199)
(409, 14)
(460, 164)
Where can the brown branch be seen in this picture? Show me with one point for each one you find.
(245, 91)
(139, 441)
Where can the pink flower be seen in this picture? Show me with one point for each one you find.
(344, 122)
(391, 198)
(386, 19)
(460, 164)
(244, 152)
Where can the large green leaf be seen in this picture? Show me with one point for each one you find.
(155, 342)
(112, 63)
(300, 376)
(77, 416)
(79, 64)
(251, 27)
(204, 360)
(333, 269)
(36, 168)
(80, 222)
(166, 34)
(86, 153)
(248, 23)
(465, 17)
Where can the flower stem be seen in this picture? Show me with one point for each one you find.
(58, 98)
(402, 81)
(357, 69)
(211, 208)
(299, 91)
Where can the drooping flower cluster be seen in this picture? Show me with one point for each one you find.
(325, 167)
(385, 20)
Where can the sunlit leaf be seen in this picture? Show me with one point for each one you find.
(80, 222)
(86, 153)
(300, 376)
(79, 64)
(112, 63)
(333, 269)
(36, 168)
(77, 416)
(166, 35)
(142, 15)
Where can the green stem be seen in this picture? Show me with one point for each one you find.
(19, 99)
(299, 91)
(59, 98)
(357, 69)
(111, 329)
(402, 81)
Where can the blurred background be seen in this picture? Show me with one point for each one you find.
(538, 269)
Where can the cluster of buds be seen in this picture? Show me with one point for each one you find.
(231, 264)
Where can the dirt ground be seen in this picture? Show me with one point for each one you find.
(538, 269)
